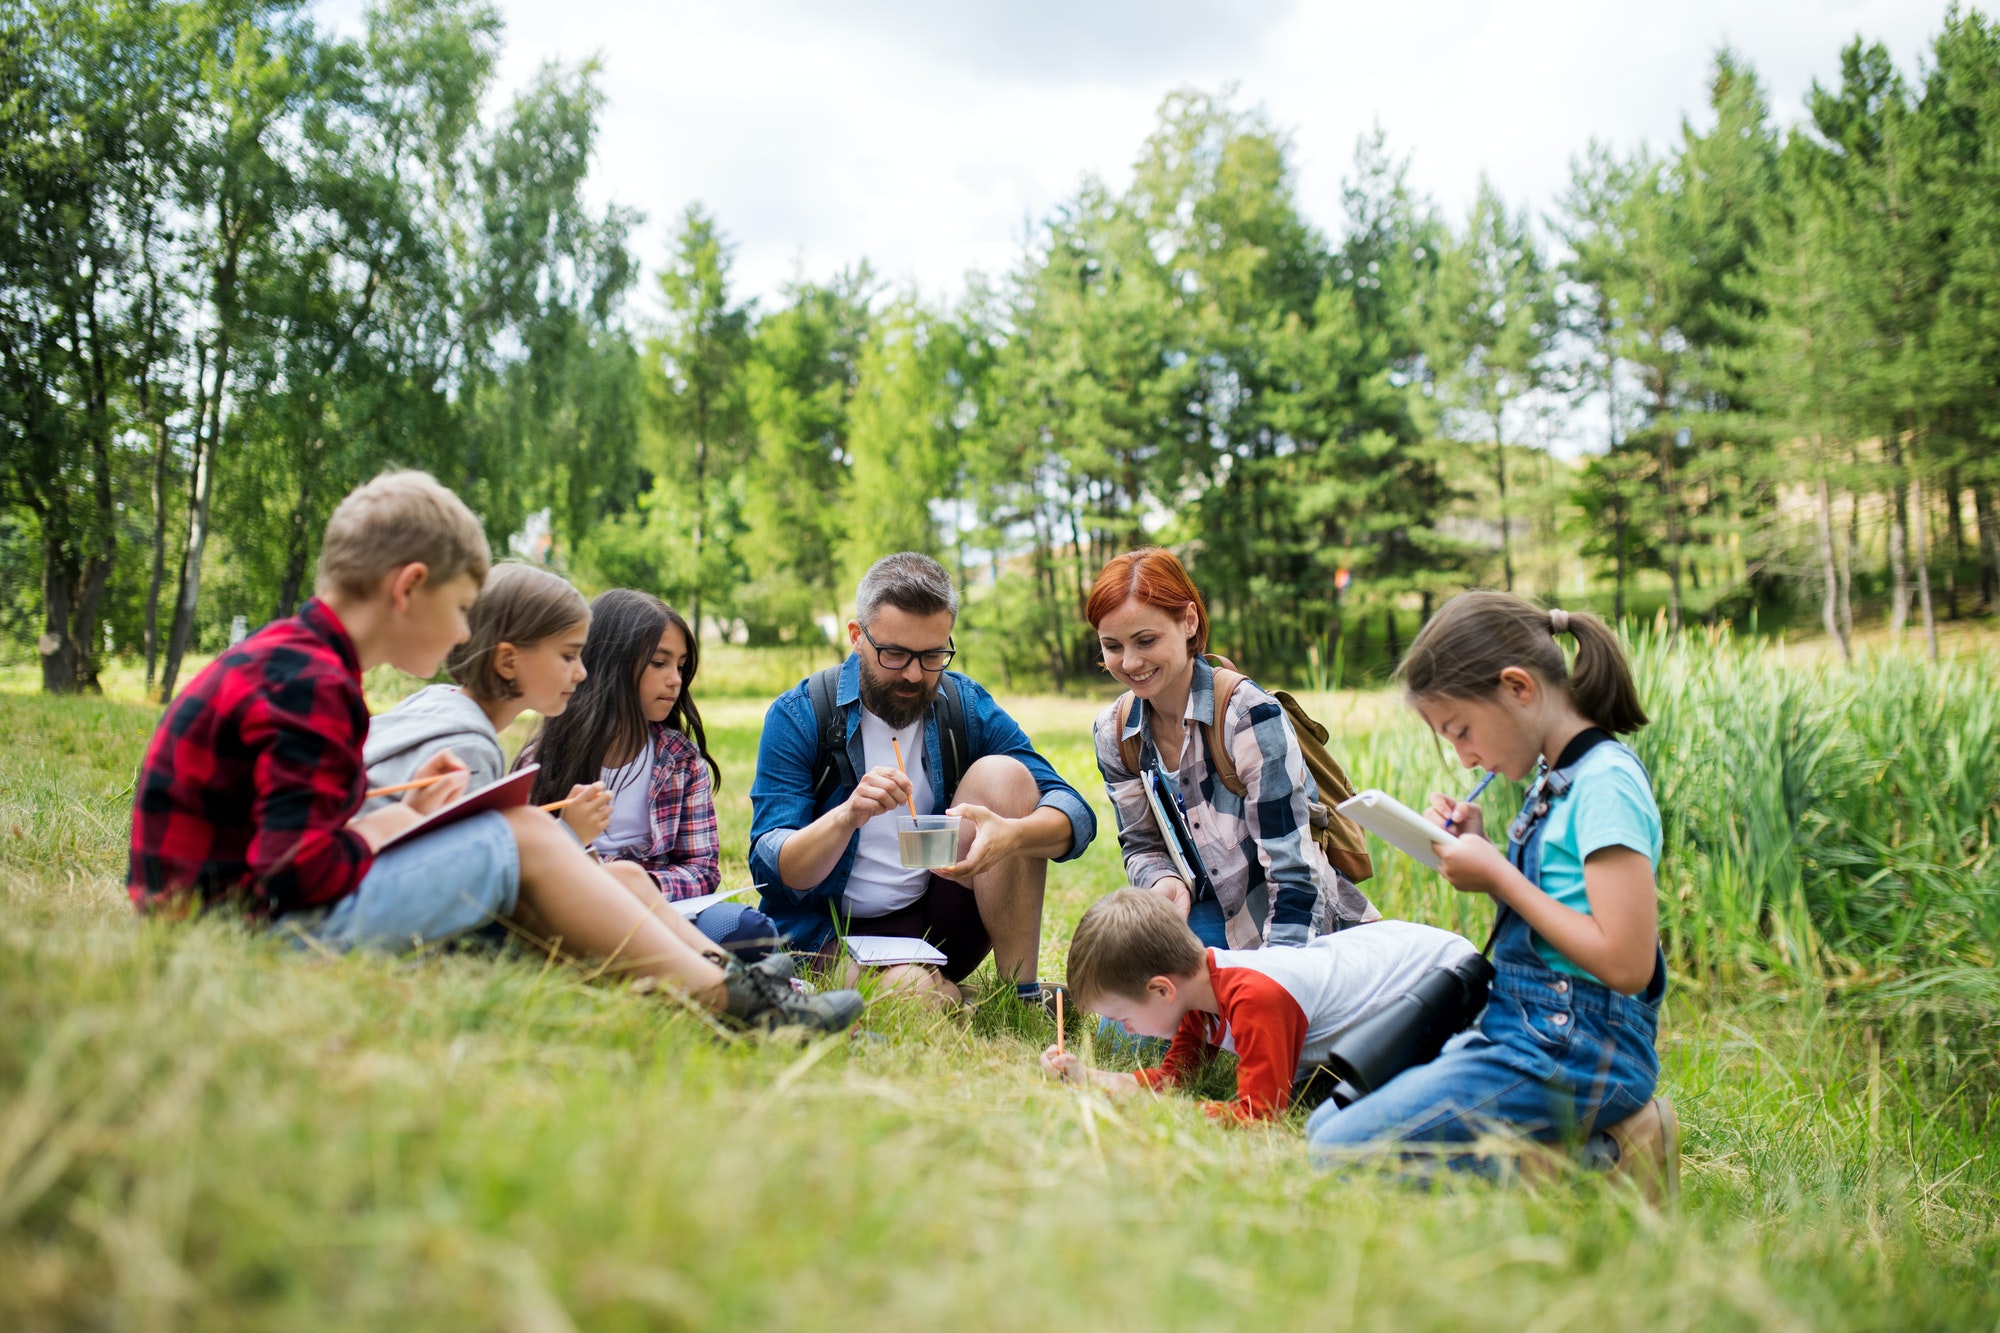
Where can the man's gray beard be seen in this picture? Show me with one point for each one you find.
(879, 697)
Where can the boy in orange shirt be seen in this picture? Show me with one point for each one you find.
(1134, 960)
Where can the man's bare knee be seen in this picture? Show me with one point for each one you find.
(1002, 784)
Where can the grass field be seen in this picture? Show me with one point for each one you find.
(202, 1129)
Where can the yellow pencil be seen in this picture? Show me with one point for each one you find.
(407, 786)
(912, 797)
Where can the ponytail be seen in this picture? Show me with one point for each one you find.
(1600, 679)
(1462, 651)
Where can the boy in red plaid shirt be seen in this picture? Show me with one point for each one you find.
(250, 793)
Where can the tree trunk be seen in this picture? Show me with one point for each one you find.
(1618, 559)
(1500, 482)
(1844, 550)
(1673, 548)
(1923, 566)
(1954, 518)
(297, 548)
(1395, 643)
(1989, 546)
(1830, 604)
(201, 496)
(1899, 539)
(58, 648)
(700, 504)
(208, 448)
(157, 575)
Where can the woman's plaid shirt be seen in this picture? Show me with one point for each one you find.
(1262, 837)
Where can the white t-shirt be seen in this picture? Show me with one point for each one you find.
(879, 884)
(631, 790)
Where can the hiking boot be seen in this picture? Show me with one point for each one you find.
(785, 968)
(758, 998)
(1649, 1150)
(777, 966)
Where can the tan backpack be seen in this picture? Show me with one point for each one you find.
(1340, 838)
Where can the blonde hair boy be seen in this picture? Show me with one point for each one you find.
(400, 518)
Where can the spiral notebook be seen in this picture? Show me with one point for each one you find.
(1396, 824)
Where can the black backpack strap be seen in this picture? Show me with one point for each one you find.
(832, 768)
(954, 742)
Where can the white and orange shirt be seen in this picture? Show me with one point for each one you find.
(1282, 1009)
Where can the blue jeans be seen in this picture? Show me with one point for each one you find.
(744, 931)
(1553, 1058)
(1209, 925)
(453, 882)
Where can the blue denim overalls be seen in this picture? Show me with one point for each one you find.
(1553, 1056)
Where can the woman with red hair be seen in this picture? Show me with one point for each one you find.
(1152, 625)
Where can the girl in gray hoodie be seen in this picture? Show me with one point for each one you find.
(525, 653)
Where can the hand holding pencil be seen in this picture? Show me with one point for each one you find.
(440, 781)
(587, 810)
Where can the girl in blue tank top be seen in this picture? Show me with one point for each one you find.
(1564, 1051)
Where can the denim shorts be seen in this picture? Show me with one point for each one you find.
(444, 884)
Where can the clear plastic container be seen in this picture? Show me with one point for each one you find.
(927, 842)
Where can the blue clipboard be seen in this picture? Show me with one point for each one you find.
(1175, 833)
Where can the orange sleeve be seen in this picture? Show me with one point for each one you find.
(1190, 1050)
(1269, 1030)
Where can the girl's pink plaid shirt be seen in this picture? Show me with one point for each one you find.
(684, 853)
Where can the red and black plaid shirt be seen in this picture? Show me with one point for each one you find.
(253, 774)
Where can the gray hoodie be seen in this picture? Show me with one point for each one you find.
(437, 717)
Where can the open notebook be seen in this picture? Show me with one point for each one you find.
(891, 950)
(694, 907)
(504, 794)
(1396, 824)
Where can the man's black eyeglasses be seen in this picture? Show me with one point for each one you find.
(892, 658)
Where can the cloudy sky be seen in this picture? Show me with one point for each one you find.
(927, 135)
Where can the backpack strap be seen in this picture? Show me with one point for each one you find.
(832, 768)
(1130, 749)
(1227, 678)
(954, 742)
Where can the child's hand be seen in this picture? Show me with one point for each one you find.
(1472, 864)
(1063, 1065)
(1460, 816)
(429, 800)
(589, 812)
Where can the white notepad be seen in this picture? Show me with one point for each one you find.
(694, 907)
(893, 950)
(1396, 824)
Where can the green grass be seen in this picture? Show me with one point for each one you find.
(200, 1128)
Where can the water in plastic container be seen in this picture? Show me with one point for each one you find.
(927, 841)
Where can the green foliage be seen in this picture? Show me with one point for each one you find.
(249, 262)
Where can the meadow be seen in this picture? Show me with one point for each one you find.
(204, 1128)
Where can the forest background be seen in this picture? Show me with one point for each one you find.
(247, 261)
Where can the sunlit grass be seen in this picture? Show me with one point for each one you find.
(200, 1128)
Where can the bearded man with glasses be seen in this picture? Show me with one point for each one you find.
(823, 844)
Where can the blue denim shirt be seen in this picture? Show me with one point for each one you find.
(781, 799)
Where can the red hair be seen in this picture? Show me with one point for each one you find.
(1154, 577)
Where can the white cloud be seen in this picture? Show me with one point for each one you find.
(928, 135)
